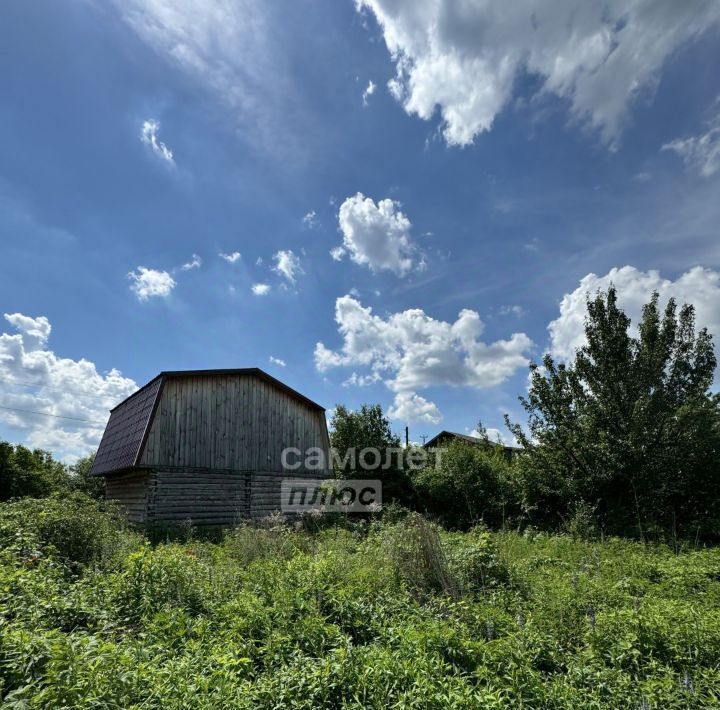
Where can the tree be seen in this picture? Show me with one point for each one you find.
(81, 480)
(467, 484)
(353, 432)
(29, 473)
(629, 427)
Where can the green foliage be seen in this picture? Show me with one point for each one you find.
(629, 428)
(29, 473)
(73, 528)
(81, 480)
(273, 616)
(466, 485)
(352, 432)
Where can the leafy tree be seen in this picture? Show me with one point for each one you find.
(81, 480)
(352, 432)
(629, 427)
(29, 473)
(467, 484)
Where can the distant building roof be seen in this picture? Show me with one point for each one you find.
(445, 436)
(127, 429)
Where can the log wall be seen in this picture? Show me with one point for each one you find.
(201, 496)
(130, 491)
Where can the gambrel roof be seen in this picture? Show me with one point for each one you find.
(126, 432)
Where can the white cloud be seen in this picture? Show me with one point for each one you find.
(411, 351)
(369, 91)
(496, 436)
(701, 153)
(261, 289)
(35, 379)
(235, 50)
(515, 310)
(310, 219)
(356, 380)
(465, 56)
(411, 407)
(194, 263)
(149, 136)
(35, 331)
(231, 258)
(277, 361)
(147, 283)
(375, 235)
(287, 264)
(698, 286)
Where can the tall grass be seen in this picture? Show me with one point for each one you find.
(399, 614)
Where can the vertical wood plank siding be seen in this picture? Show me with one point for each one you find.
(236, 422)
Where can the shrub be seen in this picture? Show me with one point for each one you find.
(74, 528)
(469, 484)
(414, 547)
(150, 579)
(475, 562)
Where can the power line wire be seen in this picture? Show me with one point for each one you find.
(55, 416)
(52, 387)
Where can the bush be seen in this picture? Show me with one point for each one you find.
(414, 547)
(430, 560)
(475, 562)
(73, 528)
(469, 484)
(152, 579)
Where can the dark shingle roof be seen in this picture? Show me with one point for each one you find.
(123, 438)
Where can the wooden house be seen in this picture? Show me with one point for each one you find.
(206, 446)
(445, 438)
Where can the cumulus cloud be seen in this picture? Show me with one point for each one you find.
(149, 136)
(148, 283)
(277, 361)
(231, 258)
(411, 351)
(261, 289)
(194, 263)
(369, 91)
(465, 56)
(56, 403)
(411, 407)
(356, 380)
(702, 152)
(698, 286)
(287, 264)
(376, 235)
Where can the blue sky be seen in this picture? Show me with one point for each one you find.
(505, 162)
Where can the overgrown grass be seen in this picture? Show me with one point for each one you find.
(377, 615)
